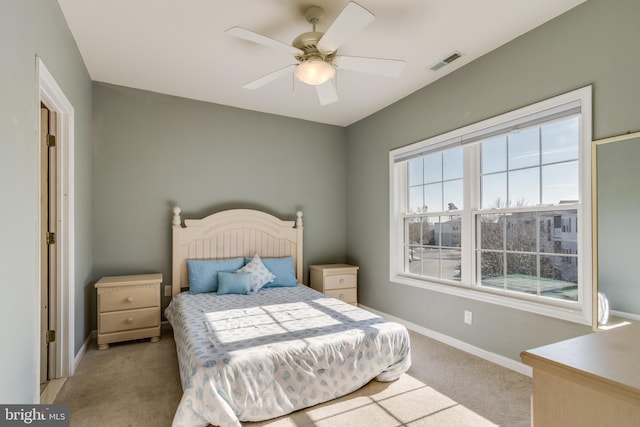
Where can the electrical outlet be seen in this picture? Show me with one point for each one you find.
(167, 290)
(468, 317)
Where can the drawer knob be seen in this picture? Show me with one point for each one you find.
(129, 299)
(341, 296)
(341, 281)
(130, 320)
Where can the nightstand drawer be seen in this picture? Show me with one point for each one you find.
(130, 319)
(128, 298)
(347, 295)
(340, 281)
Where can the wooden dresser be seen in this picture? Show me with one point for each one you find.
(588, 381)
(336, 280)
(128, 308)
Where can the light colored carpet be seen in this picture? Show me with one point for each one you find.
(137, 384)
(134, 384)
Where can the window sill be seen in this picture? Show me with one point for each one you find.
(563, 311)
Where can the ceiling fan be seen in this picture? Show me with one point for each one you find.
(316, 52)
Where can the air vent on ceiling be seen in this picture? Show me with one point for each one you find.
(446, 61)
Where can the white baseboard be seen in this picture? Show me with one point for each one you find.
(625, 315)
(83, 349)
(460, 345)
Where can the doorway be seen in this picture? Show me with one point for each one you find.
(55, 356)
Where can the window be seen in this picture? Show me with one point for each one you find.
(493, 211)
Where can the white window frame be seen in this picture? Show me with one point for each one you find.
(580, 311)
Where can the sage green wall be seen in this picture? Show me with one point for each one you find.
(595, 43)
(618, 233)
(29, 28)
(153, 152)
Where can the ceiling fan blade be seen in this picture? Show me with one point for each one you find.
(381, 67)
(245, 34)
(351, 20)
(327, 93)
(270, 77)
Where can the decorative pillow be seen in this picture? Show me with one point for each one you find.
(284, 271)
(234, 283)
(203, 273)
(260, 275)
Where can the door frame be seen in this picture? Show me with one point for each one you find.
(50, 94)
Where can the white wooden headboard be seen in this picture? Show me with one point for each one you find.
(233, 233)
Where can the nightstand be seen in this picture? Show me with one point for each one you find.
(128, 308)
(336, 280)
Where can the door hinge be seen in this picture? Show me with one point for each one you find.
(51, 140)
(51, 336)
(51, 238)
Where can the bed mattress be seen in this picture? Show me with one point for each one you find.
(263, 355)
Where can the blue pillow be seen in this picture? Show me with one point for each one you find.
(203, 273)
(283, 269)
(234, 283)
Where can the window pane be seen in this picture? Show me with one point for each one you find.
(524, 187)
(559, 277)
(450, 231)
(416, 199)
(416, 169)
(522, 273)
(494, 191)
(433, 168)
(521, 232)
(492, 268)
(560, 183)
(548, 232)
(560, 141)
(491, 231)
(524, 149)
(452, 163)
(431, 262)
(413, 231)
(408, 255)
(561, 268)
(453, 195)
(559, 232)
(433, 197)
(494, 155)
(415, 259)
(451, 264)
(431, 231)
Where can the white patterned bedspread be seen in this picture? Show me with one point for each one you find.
(259, 356)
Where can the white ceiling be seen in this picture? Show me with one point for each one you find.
(179, 47)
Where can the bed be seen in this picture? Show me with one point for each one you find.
(256, 355)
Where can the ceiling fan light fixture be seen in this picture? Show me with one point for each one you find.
(315, 71)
